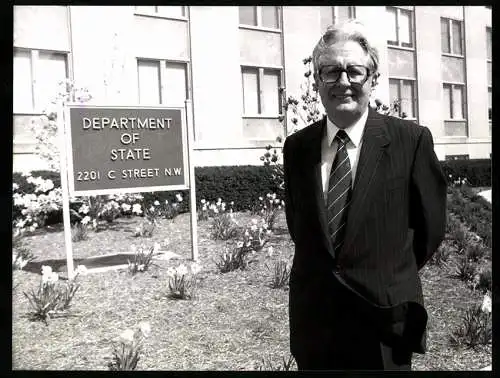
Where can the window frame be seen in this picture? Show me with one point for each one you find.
(162, 77)
(398, 44)
(351, 9)
(259, 26)
(34, 54)
(452, 86)
(159, 14)
(260, 95)
(400, 81)
(450, 38)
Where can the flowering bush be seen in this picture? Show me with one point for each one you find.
(44, 127)
(127, 350)
(52, 296)
(181, 285)
(142, 260)
(268, 209)
(476, 327)
(35, 207)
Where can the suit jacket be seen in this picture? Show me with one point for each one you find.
(395, 222)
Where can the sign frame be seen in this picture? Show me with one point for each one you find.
(186, 148)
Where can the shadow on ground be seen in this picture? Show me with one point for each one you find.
(59, 265)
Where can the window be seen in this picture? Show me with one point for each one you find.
(451, 36)
(162, 11)
(456, 157)
(400, 24)
(453, 101)
(162, 82)
(37, 75)
(261, 91)
(343, 13)
(266, 16)
(404, 92)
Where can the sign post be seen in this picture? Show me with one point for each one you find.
(116, 149)
(65, 195)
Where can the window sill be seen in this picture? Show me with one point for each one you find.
(455, 120)
(451, 55)
(27, 113)
(398, 47)
(161, 16)
(260, 28)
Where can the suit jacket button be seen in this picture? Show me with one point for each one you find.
(337, 269)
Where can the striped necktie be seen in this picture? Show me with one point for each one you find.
(339, 192)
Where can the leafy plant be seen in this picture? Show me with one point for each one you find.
(475, 251)
(52, 296)
(281, 274)
(441, 257)
(485, 281)
(465, 270)
(268, 208)
(126, 353)
(476, 327)
(79, 232)
(142, 260)
(286, 364)
(223, 225)
(181, 285)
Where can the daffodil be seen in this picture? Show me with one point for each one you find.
(156, 203)
(195, 268)
(81, 269)
(486, 306)
(127, 336)
(182, 270)
(145, 328)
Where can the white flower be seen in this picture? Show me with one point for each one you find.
(166, 202)
(46, 270)
(216, 211)
(15, 186)
(232, 203)
(84, 209)
(178, 197)
(253, 227)
(125, 207)
(152, 209)
(203, 201)
(195, 268)
(136, 208)
(276, 201)
(182, 270)
(137, 231)
(51, 278)
(127, 336)
(140, 267)
(81, 269)
(261, 199)
(171, 272)
(85, 220)
(255, 221)
(239, 244)
(270, 251)
(145, 328)
(157, 203)
(268, 195)
(486, 306)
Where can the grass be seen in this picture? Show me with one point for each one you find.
(235, 321)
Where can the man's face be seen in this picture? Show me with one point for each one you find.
(344, 101)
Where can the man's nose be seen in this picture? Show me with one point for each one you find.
(343, 79)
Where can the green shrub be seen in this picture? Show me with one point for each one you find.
(476, 329)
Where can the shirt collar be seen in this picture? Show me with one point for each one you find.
(355, 131)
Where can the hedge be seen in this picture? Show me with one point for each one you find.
(476, 171)
(244, 184)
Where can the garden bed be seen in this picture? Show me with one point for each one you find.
(234, 322)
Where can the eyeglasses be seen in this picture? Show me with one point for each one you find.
(356, 74)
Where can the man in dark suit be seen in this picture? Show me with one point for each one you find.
(365, 207)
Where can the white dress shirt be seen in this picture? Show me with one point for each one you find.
(329, 147)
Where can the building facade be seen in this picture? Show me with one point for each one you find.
(231, 61)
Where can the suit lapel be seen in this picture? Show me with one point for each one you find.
(375, 140)
(314, 153)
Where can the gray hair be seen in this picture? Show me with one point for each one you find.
(351, 30)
